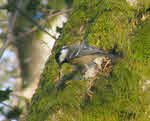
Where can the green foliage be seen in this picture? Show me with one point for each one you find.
(69, 2)
(4, 94)
(14, 113)
(32, 6)
(140, 50)
(116, 96)
(56, 4)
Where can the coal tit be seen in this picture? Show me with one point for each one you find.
(78, 55)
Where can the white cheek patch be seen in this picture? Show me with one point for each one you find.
(63, 55)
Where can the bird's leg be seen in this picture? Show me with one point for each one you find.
(59, 81)
(60, 74)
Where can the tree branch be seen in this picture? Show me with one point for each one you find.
(9, 106)
(10, 28)
(3, 7)
(35, 23)
(11, 25)
(43, 22)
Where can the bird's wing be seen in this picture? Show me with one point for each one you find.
(88, 50)
(74, 52)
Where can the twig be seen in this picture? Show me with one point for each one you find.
(11, 25)
(43, 22)
(5, 45)
(9, 106)
(19, 96)
(35, 23)
(59, 13)
(9, 40)
(3, 7)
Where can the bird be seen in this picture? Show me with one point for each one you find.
(81, 55)
(89, 59)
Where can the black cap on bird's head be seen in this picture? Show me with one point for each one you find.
(61, 55)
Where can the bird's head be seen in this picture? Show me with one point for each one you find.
(62, 55)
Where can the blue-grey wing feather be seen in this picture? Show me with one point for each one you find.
(87, 50)
(91, 50)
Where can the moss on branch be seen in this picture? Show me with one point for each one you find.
(117, 96)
